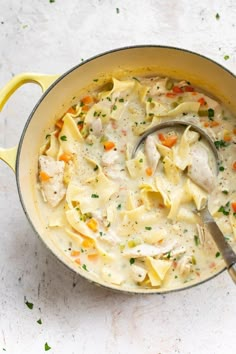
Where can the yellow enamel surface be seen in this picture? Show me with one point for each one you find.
(9, 155)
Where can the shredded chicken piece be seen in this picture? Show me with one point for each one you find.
(200, 171)
(138, 273)
(185, 265)
(53, 190)
(145, 250)
(153, 155)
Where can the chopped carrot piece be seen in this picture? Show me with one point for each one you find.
(87, 100)
(71, 110)
(87, 243)
(214, 123)
(170, 141)
(66, 157)
(57, 133)
(77, 260)
(234, 131)
(75, 253)
(59, 123)
(227, 137)
(170, 94)
(161, 136)
(234, 166)
(108, 145)
(148, 171)
(233, 205)
(202, 101)
(194, 93)
(188, 89)
(44, 177)
(206, 124)
(80, 125)
(85, 108)
(92, 224)
(177, 89)
(93, 257)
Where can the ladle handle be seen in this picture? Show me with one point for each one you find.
(225, 249)
(232, 272)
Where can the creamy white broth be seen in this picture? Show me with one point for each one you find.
(117, 217)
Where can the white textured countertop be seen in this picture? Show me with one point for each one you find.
(77, 317)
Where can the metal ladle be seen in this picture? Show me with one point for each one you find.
(225, 249)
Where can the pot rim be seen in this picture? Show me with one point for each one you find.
(142, 291)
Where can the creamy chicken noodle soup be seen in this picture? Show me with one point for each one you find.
(133, 221)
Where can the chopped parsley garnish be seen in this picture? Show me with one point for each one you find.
(94, 196)
(196, 240)
(46, 347)
(84, 267)
(226, 57)
(217, 254)
(63, 138)
(100, 233)
(225, 209)
(30, 305)
(114, 108)
(121, 100)
(95, 168)
(135, 78)
(141, 160)
(220, 144)
(131, 261)
(149, 99)
(39, 321)
(221, 168)
(95, 80)
(225, 192)
(168, 255)
(47, 136)
(148, 227)
(217, 16)
(119, 206)
(210, 113)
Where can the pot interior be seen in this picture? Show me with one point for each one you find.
(164, 61)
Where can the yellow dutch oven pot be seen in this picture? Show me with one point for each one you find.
(59, 92)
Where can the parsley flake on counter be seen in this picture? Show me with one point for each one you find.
(51, 1)
(39, 321)
(217, 16)
(131, 261)
(30, 305)
(94, 196)
(117, 10)
(46, 347)
(63, 138)
(226, 57)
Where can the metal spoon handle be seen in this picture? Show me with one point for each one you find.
(225, 249)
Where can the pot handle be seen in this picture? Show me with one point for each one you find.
(9, 155)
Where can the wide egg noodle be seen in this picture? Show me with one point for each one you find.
(95, 193)
(69, 135)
